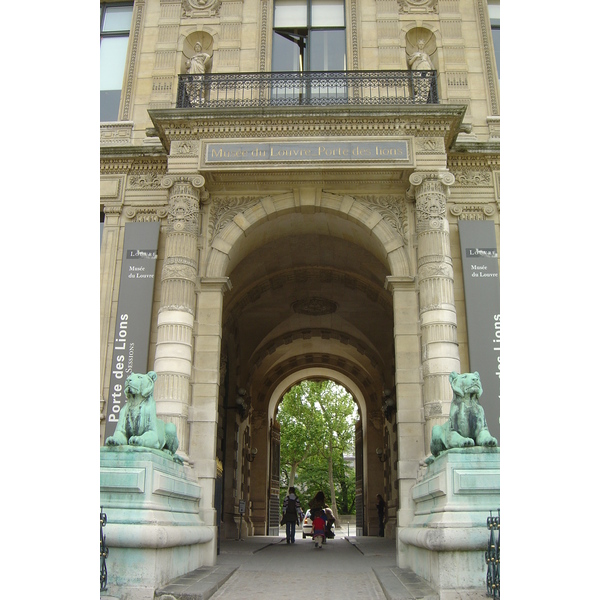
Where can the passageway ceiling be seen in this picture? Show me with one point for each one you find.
(308, 291)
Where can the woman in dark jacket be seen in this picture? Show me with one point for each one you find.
(291, 514)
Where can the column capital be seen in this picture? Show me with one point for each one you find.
(194, 179)
(186, 193)
(418, 178)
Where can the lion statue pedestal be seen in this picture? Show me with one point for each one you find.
(153, 533)
(445, 542)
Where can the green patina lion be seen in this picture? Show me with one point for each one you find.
(138, 424)
(466, 426)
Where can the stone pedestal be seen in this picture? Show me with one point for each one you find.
(446, 541)
(154, 532)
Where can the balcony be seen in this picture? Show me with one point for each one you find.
(317, 88)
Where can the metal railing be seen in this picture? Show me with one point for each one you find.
(314, 88)
(103, 553)
(492, 557)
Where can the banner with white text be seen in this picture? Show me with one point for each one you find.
(134, 313)
(482, 299)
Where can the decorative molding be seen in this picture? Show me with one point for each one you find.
(264, 29)
(489, 66)
(135, 46)
(116, 133)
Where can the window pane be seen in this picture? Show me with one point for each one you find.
(290, 13)
(113, 52)
(496, 42)
(328, 50)
(327, 13)
(117, 18)
(109, 105)
(286, 54)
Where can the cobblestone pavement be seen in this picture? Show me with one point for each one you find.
(288, 571)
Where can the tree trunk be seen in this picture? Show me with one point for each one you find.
(332, 489)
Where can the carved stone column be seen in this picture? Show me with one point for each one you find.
(436, 294)
(173, 361)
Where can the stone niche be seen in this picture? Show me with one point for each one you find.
(446, 541)
(153, 532)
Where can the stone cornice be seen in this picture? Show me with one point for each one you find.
(125, 158)
(439, 120)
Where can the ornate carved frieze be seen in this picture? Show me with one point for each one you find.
(471, 177)
(144, 181)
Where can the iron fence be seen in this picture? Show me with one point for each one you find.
(103, 553)
(492, 557)
(315, 88)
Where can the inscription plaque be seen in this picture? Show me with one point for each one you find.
(312, 151)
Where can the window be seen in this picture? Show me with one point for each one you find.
(494, 12)
(309, 35)
(115, 22)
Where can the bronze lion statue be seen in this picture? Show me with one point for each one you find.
(466, 425)
(138, 424)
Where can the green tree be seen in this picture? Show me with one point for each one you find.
(317, 429)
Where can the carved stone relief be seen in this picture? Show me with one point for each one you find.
(200, 8)
(223, 210)
(418, 6)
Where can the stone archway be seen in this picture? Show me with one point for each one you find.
(357, 394)
(314, 279)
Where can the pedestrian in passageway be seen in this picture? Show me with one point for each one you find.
(291, 515)
(318, 527)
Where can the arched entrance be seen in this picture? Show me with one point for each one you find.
(310, 296)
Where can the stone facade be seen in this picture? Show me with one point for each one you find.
(272, 271)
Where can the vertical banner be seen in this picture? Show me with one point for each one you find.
(482, 299)
(134, 313)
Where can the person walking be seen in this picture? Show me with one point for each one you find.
(381, 514)
(318, 527)
(318, 504)
(291, 515)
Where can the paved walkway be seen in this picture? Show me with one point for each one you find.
(348, 568)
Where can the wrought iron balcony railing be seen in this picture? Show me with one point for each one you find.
(316, 88)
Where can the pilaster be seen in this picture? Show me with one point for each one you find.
(435, 274)
(203, 416)
(409, 403)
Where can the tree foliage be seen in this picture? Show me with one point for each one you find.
(317, 430)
